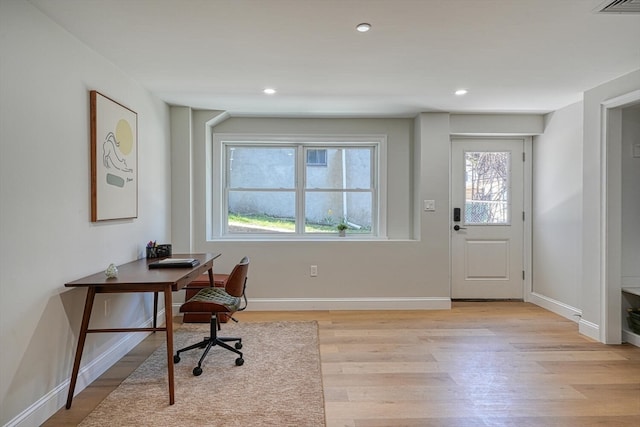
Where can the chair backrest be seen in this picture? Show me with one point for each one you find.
(237, 278)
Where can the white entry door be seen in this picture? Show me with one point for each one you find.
(487, 219)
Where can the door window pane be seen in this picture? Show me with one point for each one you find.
(487, 187)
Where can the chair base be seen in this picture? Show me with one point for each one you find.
(211, 341)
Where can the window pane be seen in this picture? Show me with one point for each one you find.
(326, 209)
(257, 167)
(261, 212)
(346, 168)
(487, 187)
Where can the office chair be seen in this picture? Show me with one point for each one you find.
(217, 300)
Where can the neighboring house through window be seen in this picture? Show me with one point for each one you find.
(284, 187)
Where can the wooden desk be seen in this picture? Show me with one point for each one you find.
(137, 277)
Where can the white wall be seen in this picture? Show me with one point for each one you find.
(593, 314)
(630, 260)
(346, 268)
(410, 270)
(557, 210)
(47, 238)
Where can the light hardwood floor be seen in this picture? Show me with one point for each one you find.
(478, 364)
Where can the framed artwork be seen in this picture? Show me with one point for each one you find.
(114, 159)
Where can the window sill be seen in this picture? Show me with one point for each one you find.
(305, 239)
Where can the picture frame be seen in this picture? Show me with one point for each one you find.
(114, 159)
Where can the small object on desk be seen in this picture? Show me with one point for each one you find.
(112, 271)
(175, 263)
(163, 250)
(152, 253)
(158, 251)
(151, 249)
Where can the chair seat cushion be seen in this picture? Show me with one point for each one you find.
(212, 300)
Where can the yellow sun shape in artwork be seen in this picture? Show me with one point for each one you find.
(124, 136)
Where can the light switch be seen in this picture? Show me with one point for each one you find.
(636, 150)
(429, 205)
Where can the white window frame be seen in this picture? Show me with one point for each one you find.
(219, 208)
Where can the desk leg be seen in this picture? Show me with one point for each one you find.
(210, 271)
(86, 316)
(168, 310)
(155, 310)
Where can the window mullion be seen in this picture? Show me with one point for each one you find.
(300, 188)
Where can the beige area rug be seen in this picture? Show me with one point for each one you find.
(280, 383)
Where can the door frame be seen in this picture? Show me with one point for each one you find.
(611, 216)
(527, 283)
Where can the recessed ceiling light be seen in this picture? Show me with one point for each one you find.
(461, 92)
(364, 27)
(269, 91)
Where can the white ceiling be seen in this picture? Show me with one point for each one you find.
(512, 55)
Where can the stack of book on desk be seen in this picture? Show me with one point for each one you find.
(175, 263)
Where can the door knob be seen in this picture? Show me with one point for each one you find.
(457, 227)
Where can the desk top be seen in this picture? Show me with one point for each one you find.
(137, 273)
(631, 290)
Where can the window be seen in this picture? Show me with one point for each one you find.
(316, 157)
(294, 187)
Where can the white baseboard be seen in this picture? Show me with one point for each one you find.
(308, 304)
(585, 327)
(51, 402)
(292, 304)
(630, 337)
(555, 306)
(589, 329)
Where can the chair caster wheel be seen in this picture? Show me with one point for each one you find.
(197, 371)
(176, 359)
(238, 345)
(239, 361)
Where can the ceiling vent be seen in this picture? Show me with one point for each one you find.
(619, 6)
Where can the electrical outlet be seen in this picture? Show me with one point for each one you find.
(107, 308)
(313, 270)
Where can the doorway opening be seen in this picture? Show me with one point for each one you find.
(619, 205)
